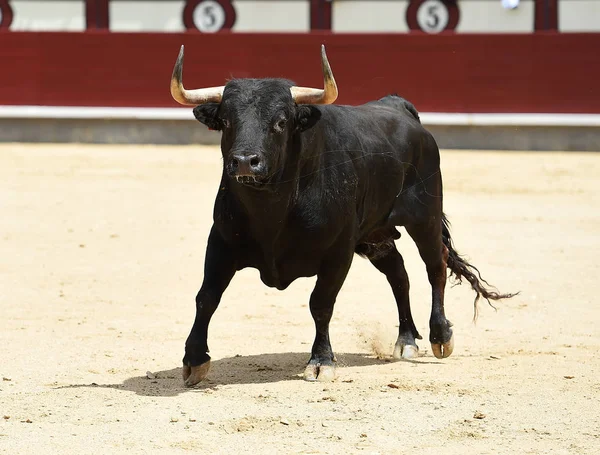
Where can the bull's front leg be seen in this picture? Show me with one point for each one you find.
(329, 282)
(219, 268)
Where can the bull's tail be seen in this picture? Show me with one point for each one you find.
(460, 268)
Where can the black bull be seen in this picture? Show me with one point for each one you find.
(304, 187)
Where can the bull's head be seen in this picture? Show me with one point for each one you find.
(260, 119)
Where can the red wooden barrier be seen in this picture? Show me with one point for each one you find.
(538, 73)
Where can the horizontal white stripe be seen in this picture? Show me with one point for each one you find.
(76, 112)
(441, 118)
(429, 118)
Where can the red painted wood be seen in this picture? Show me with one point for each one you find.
(546, 15)
(6, 13)
(90, 14)
(96, 14)
(320, 14)
(544, 72)
(103, 15)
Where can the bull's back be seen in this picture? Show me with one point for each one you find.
(399, 104)
(390, 124)
(384, 146)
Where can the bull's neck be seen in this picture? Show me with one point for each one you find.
(268, 209)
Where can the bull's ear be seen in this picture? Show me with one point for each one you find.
(307, 116)
(207, 114)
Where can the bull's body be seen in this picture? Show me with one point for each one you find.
(304, 188)
(359, 172)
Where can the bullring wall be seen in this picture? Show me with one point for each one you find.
(541, 73)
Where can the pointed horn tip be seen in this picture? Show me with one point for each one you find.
(178, 67)
(324, 60)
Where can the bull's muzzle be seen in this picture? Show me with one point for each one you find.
(247, 167)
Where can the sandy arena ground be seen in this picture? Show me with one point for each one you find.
(102, 254)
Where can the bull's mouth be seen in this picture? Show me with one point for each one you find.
(250, 180)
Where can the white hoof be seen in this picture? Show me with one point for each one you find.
(311, 372)
(405, 351)
(326, 374)
(321, 373)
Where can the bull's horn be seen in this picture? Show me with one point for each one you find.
(192, 97)
(306, 95)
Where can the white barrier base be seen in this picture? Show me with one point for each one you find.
(427, 118)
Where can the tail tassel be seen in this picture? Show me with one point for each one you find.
(460, 268)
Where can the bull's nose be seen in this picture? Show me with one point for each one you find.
(246, 164)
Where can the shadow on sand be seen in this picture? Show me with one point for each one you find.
(253, 369)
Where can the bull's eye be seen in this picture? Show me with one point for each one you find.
(225, 123)
(280, 125)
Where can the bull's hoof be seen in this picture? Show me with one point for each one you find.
(406, 346)
(443, 350)
(321, 373)
(441, 337)
(405, 351)
(193, 375)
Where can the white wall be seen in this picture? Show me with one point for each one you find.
(45, 15)
(369, 16)
(270, 16)
(251, 15)
(490, 16)
(294, 16)
(579, 16)
(390, 16)
(155, 16)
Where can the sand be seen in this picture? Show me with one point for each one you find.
(102, 253)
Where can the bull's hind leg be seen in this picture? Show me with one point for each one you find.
(329, 282)
(428, 237)
(392, 266)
